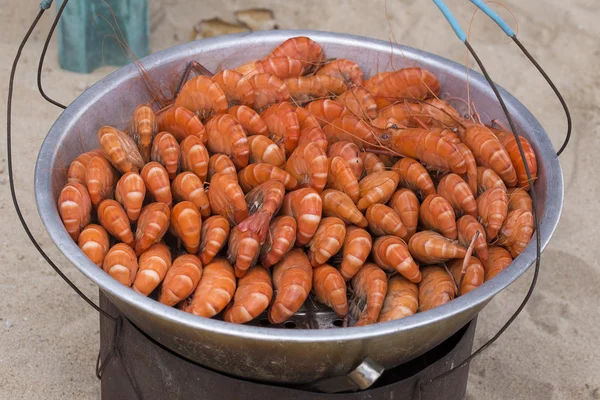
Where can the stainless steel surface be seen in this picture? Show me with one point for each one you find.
(360, 378)
(266, 354)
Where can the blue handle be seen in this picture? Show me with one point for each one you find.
(451, 20)
(45, 4)
(492, 14)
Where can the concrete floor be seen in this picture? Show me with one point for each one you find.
(49, 337)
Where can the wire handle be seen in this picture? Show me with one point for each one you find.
(494, 16)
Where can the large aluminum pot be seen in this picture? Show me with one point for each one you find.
(267, 354)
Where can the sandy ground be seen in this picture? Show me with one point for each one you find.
(49, 337)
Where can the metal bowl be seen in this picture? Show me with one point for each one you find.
(267, 354)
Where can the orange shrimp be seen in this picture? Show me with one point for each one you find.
(153, 266)
(406, 204)
(355, 250)
(166, 151)
(292, 280)
(314, 135)
(226, 136)
(499, 258)
(113, 218)
(152, 226)
(431, 248)
(94, 242)
(130, 193)
(442, 114)
(391, 254)
(516, 232)
(489, 152)
(282, 67)
(306, 120)
(268, 90)
(280, 240)
(237, 87)
(493, 207)
(325, 111)
(341, 177)
(488, 179)
(346, 70)
(305, 206)
(187, 186)
(220, 163)
(250, 120)
(308, 165)
(352, 129)
(215, 289)
(383, 220)
(252, 296)
(508, 141)
(519, 199)
(181, 279)
(256, 174)
(377, 187)
(121, 263)
(264, 150)
(403, 114)
(327, 240)
(414, 83)
(436, 214)
(120, 149)
(244, 246)
(303, 89)
(330, 289)
(350, 153)
(156, 178)
(473, 276)
(430, 146)
(100, 180)
(401, 300)
(78, 166)
(471, 174)
(414, 176)
(143, 127)
(213, 236)
(467, 226)
(359, 102)
(339, 204)
(186, 223)
(371, 163)
(370, 287)
(436, 288)
(181, 123)
(458, 193)
(227, 198)
(301, 48)
(266, 197)
(282, 122)
(203, 96)
(194, 157)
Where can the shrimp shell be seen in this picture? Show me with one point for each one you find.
(143, 127)
(264, 150)
(352, 129)
(350, 153)
(100, 180)
(120, 149)
(78, 166)
(327, 240)
(471, 174)
(213, 236)
(406, 204)
(371, 163)
(467, 226)
(227, 198)
(473, 275)
(252, 296)
(152, 226)
(315, 135)
(156, 178)
(401, 300)
(436, 288)
(256, 174)
(355, 250)
(292, 281)
(181, 123)
(280, 240)
(431, 248)
(268, 90)
(305, 206)
(308, 165)
(359, 102)
(94, 242)
(493, 207)
(283, 125)
(414, 176)
(307, 120)
(330, 289)
(244, 248)
(237, 87)
(181, 279)
(516, 232)
(339, 204)
(436, 214)
(508, 141)
(391, 254)
(518, 198)
(383, 220)
(377, 188)
(266, 197)
(250, 120)
(186, 223)
(415, 83)
(121, 263)
(226, 136)
(166, 152)
(458, 193)
(203, 96)
(346, 70)
(220, 163)
(130, 193)
(325, 111)
(370, 287)
(488, 179)
(303, 89)
(497, 261)
(153, 266)
(215, 289)
(282, 67)
(341, 177)
(187, 186)
(114, 219)
(301, 48)
(194, 157)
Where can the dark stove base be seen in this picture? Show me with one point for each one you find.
(160, 374)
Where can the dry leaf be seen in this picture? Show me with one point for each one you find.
(215, 27)
(257, 19)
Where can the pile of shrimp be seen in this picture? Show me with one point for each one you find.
(292, 178)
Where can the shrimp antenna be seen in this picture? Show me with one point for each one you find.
(509, 32)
